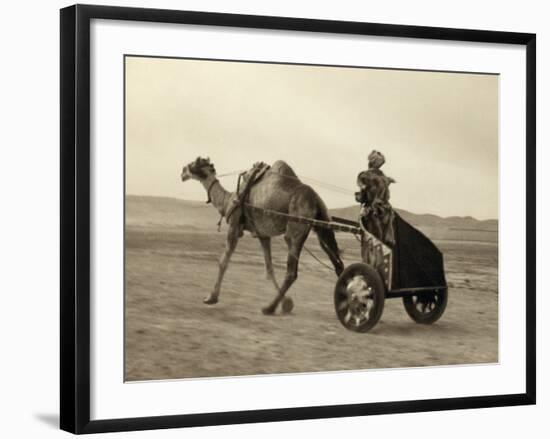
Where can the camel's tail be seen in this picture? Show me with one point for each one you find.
(327, 239)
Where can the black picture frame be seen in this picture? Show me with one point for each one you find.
(75, 217)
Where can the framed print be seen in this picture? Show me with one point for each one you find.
(305, 218)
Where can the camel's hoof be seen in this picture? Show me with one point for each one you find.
(287, 305)
(268, 310)
(210, 300)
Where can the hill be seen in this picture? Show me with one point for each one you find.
(145, 211)
(451, 228)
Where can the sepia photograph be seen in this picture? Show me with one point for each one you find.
(297, 218)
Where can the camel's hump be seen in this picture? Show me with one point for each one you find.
(283, 168)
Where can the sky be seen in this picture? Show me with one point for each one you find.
(437, 130)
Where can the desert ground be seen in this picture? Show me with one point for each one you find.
(172, 249)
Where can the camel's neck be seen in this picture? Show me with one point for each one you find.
(218, 195)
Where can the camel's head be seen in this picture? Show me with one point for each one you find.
(199, 169)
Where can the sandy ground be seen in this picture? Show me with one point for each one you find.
(170, 333)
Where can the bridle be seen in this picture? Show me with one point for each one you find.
(209, 200)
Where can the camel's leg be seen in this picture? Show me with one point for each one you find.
(232, 238)
(330, 246)
(295, 236)
(266, 247)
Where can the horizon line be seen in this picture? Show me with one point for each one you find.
(334, 208)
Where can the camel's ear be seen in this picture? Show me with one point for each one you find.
(207, 159)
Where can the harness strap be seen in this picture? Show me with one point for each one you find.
(255, 175)
(209, 200)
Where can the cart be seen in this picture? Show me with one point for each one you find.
(412, 270)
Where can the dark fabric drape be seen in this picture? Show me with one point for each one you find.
(417, 261)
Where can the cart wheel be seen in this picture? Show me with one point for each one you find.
(426, 307)
(359, 297)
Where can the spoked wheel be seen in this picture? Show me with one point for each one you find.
(359, 297)
(426, 307)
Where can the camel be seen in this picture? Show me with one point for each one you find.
(278, 190)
